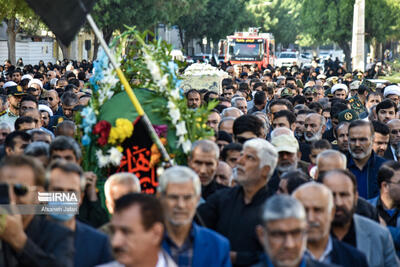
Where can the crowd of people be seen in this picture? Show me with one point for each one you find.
(302, 171)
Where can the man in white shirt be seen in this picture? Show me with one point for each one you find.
(138, 230)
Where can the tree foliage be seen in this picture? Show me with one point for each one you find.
(333, 21)
(279, 17)
(214, 20)
(13, 11)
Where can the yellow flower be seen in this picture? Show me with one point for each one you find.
(120, 149)
(122, 130)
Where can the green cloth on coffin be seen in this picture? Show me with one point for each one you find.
(120, 106)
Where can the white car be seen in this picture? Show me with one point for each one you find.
(287, 59)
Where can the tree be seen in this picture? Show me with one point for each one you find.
(113, 15)
(279, 17)
(329, 21)
(333, 21)
(215, 19)
(13, 12)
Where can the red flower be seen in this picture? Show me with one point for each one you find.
(102, 128)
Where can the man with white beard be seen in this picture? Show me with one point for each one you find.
(315, 125)
(289, 156)
(363, 162)
(287, 147)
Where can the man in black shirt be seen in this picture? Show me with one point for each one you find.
(203, 160)
(29, 240)
(366, 235)
(388, 201)
(234, 212)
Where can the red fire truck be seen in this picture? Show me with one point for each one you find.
(250, 47)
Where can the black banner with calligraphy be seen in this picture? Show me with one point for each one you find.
(136, 159)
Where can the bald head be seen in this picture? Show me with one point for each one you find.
(314, 190)
(317, 200)
(281, 131)
(223, 174)
(394, 133)
(330, 160)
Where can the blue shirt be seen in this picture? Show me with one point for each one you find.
(183, 255)
(367, 182)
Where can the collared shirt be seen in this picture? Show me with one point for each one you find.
(367, 183)
(394, 153)
(326, 256)
(161, 260)
(10, 118)
(350, 238)
(183, 255)
(227, 213)
(389, 216)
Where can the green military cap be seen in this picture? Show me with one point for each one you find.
(348, 115)
(286, 92)
(309, 90)
(348, 76)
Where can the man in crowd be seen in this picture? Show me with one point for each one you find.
(138, 231)
(388, 201)
(16, 142)
(224, 174)
(366, 235)
(363, 162)
(284, 118)
(381, 138)
(386, 111)
(234, 212)
(315, 126)
(188, 244)
(91, 246)
(193, 99)
(90, 211)
(240, 103)
(30, 240)
(317, 200)
(204, 161)
(394, 133)
(231, 153)
(247, 127)
(283, 233)
(213, 120)
(15, 94)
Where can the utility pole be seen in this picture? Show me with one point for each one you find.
(358, 41)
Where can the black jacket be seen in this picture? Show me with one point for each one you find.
(346, 255)
(366, 209)
(48, 245)
(309, 263)
(388, 153)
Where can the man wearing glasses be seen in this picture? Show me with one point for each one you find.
(282, 233)
(30, 240)
(394, 139)
(54, 100)
(188, 244)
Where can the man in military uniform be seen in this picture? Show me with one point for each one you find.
(15, 94)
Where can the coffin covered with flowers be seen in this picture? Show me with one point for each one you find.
(203, 76)
(114, 136)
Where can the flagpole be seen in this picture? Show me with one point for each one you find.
(129, 91)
